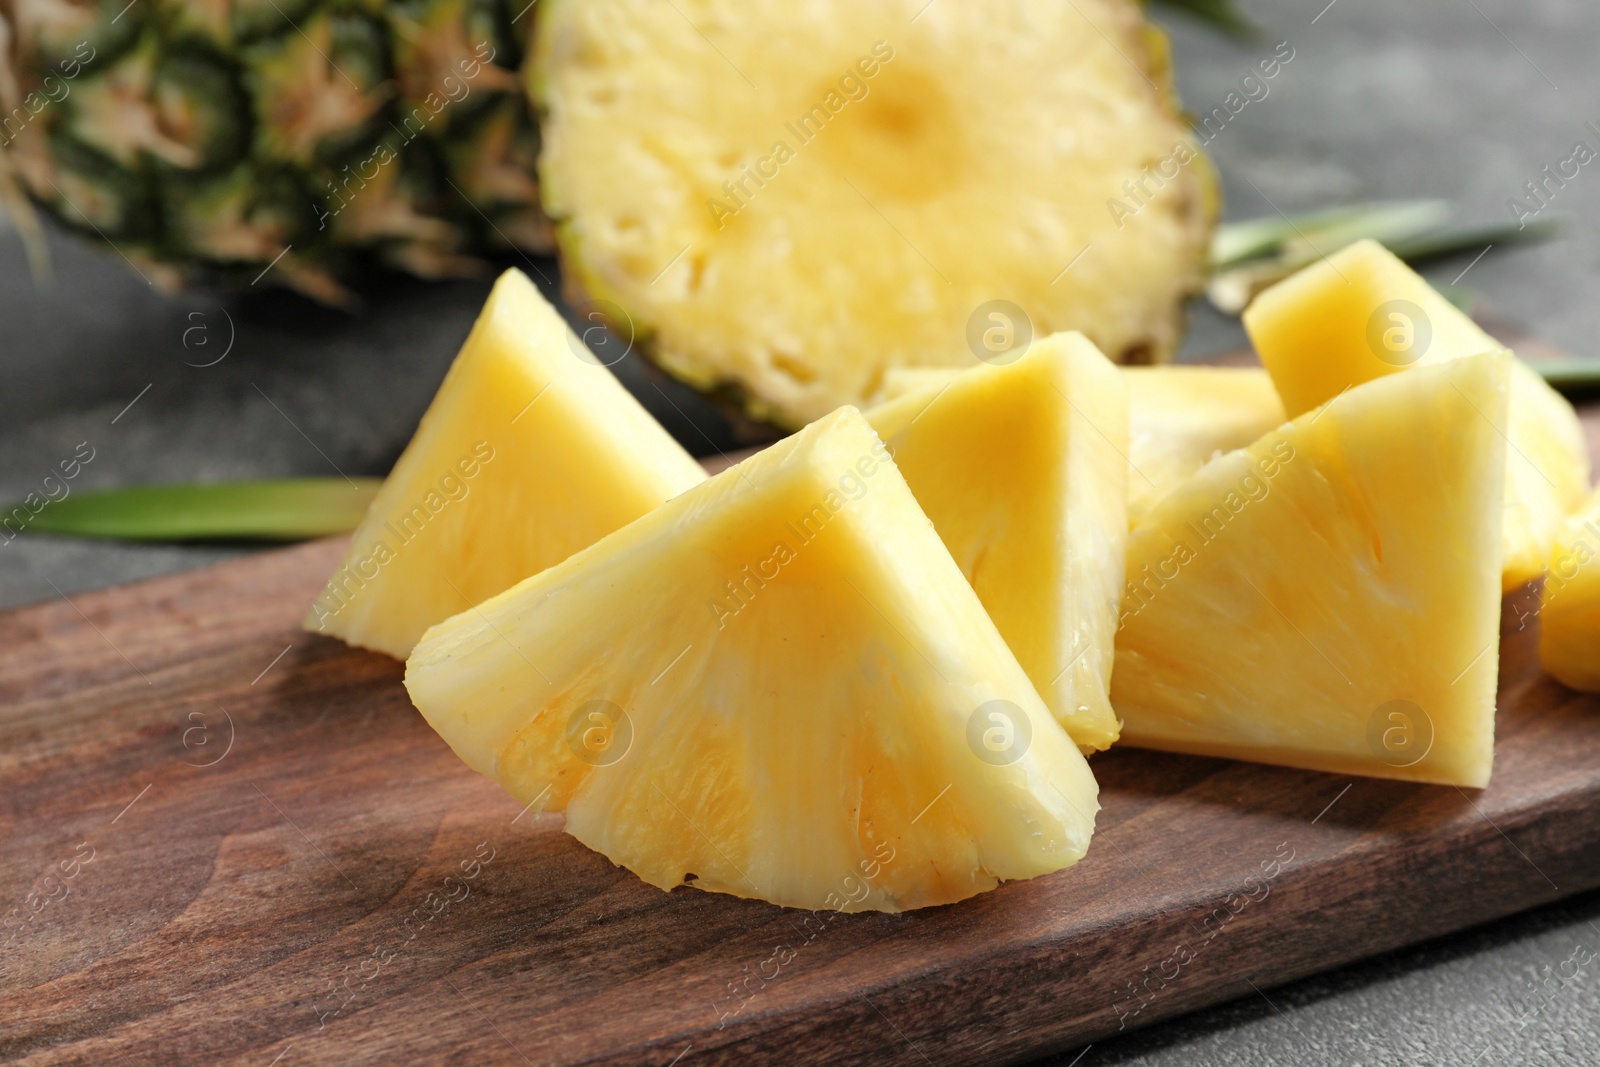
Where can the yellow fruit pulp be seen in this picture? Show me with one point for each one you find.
(1179, 417)
(794, 199)
(1329, 597)
(1361, 314)
(1569, 619)
(777, 685)
(530, 451)
(1022, 468)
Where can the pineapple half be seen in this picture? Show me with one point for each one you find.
(1361, 314)
(1569, 616)
(777, 685)
(791, 202)
(1329, 597)
(218, 138)
(530, 451)
(1023, 470)
(1180, 417)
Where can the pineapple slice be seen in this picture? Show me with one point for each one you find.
(1361, 314)
(1043, 545)
(1329, 597)
(1181, 417)
(777, 685)
(793, 221)
(1569, 617)
(530, 451)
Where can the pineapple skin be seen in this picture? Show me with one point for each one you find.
(204, 139)
(770, 372)
(1323, 330)
(1569, 614)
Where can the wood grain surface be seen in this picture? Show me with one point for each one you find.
(231, 842)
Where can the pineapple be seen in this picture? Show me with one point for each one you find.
(790, 207)
(530, 451)
(218, 138)
(1569, 642)
(777, 685)
(1329, 597)
(1361, 314)
(1180, 417)
(1023, 470)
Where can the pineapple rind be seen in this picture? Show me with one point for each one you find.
(1287, 593)
(529, 452)
(1023, 470)
(805, 742)
(311, 105)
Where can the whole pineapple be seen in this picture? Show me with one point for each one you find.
(307, 138)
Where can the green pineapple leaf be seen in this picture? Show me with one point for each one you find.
(1248, 256)
(294, 509)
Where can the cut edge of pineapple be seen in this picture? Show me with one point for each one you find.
(779, 363)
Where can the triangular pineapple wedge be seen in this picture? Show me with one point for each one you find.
(1023, 470)
(1180, 417)
(777, 685)
(530, 451)
(1361, 314)
(1329, 597)
(1569, 614)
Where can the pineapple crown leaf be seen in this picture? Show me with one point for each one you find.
(1248, 256)
(294, 509)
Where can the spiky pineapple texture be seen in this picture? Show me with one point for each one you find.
(217, 137)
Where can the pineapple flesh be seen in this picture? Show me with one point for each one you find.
(1180, 417)
(1023, 470)
(530, 451)
(1569, 616)
(1361, 314)
(214, 139)
(793, 223)
(1329, 597)
(777, 685)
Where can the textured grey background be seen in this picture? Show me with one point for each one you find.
(1465, 101)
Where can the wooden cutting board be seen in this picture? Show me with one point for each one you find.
(231, 842)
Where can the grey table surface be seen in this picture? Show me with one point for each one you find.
(1463, 101)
